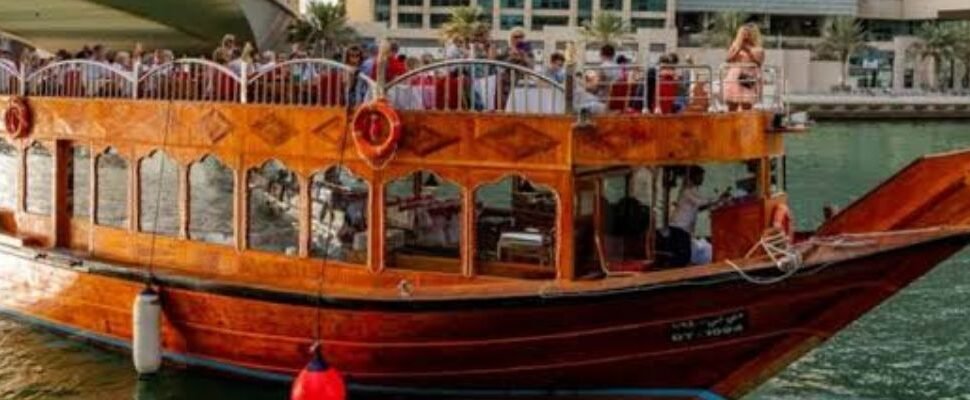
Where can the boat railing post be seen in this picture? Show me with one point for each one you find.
(134, 78)
(570, 81)
(22, 85)
(243, 82)
(645, 109)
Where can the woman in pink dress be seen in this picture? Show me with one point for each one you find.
(742, 85)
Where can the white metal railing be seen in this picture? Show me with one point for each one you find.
(80, 78)
(10, 78)
(192, 79)
(456, 85)
(310, 82)
(477, 86)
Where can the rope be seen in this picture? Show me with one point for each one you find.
(777, 247)
(158, 197)
(329, 205)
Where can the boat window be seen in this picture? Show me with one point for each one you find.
(211, 208)
(515, 224)
(9, 171)
(274, 208)
(79, 185)
(40, 167)
(112, 205)
(779, 171)
(628, 214)
(158, 177)
(339, 216)
(423, 223)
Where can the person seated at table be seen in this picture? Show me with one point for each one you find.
(556, 70)
(267, 61)
(586, 97)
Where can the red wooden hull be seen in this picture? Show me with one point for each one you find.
(721, 334)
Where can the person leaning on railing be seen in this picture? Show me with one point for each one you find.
(742, 85)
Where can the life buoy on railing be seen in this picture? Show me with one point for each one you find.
(377, 131)
(781, 219)
(17, 119)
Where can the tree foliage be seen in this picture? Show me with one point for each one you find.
(323, 28)
(842, 37)
(606, 28)
(466, 24)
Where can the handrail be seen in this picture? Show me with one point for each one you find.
(189, 61)
(191, 79)
(319, 82)
(691, 101)
(11, 80)
(82, 84)
(477, 85)
(759, 81)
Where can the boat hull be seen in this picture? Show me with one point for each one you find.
(720, 334)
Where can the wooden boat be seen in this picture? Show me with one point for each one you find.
(556, 291)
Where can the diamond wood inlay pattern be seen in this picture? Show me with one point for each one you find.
(516, 141)
(215, 125)
(424, 140)
(273, 130)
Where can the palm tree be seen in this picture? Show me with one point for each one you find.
(961, 49)
(466, 24)
(720, 31)
(606, 28)
(936, 43)
(326, 24)
(841, 38)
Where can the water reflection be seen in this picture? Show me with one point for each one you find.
(158, 179)
(40, 169)
(9, 157)
(211, 201)
(112, 205)
(339, 215)
(274, 196)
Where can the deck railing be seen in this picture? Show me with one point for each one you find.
(79, 78)
(310, 82)
(455, 85)
(477, 86)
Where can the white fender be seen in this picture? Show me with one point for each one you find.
(146, 343)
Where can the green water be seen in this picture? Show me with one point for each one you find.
(916, 346)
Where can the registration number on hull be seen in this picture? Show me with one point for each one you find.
(717, 326)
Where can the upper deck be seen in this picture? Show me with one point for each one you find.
(275, 135)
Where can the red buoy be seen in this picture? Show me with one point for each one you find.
(318, 381)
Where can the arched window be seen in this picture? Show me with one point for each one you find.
(515, 225)
(112, 206)
(158, 180)
(423, 223)
(211, 210)
(274, 208)
(40, 166)
(339, 216)
(80, 182)
(9, 169)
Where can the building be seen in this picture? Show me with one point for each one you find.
(791, 28)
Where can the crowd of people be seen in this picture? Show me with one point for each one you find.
(615, 84)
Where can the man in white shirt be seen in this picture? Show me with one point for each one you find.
(689, 204)
(611, 71)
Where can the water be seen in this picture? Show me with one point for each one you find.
(913, 347)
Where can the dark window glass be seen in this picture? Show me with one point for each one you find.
(211, 201)
(646, 23)
(274, 208)
(515, 223)
(40, 166)
(437, 20)
(339, 211)
(80, 182)
(585, 12)
(9, 169)
(649, 5)
(158, 177)
(413, 3)
(550, 4)
(450, 3)
(540, 21)
(423, 223)
(112, 206)
(512, 4)
(408, 20)
(509, 22)
(615, 5)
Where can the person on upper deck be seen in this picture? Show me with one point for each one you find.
(609, 69)
(394, 66)
(519, 51)
(556, 70)
(742, 85)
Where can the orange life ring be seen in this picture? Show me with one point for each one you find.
(17, 118)
(377, 131)
(781, 219)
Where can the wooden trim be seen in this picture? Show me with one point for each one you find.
(183, 200)
(376, 224)
(305, 212)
